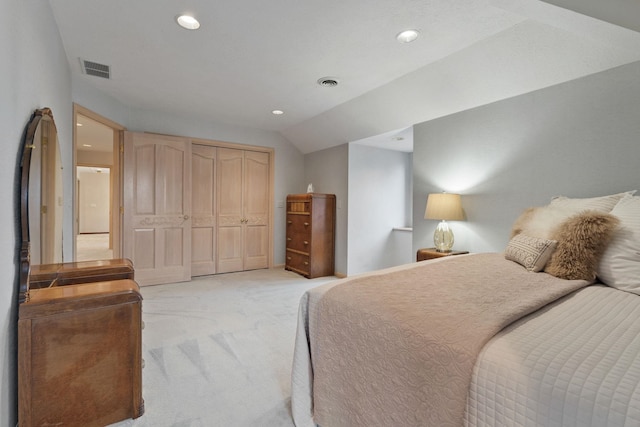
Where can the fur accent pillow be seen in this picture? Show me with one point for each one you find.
(542, 221)
(530, 252)
(581, 241)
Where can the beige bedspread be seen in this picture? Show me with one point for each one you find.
(398, 348)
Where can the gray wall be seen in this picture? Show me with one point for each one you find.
(328, 170)
(33, 74)
(379, 180)
(578, 139)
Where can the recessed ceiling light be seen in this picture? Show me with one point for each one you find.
(328, 81)
(78, 124)
(407, 36)
(188, 22)
(86, 145)
(277, 112)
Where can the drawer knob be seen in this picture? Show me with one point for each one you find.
(289, 222)
(288, 239)
(306, 263)
(306, 243)
(306, 224)
(289, 258)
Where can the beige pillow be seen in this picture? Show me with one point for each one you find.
(619, 265)
(581, 240)
(530, 252)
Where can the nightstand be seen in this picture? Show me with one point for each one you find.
(431, 253)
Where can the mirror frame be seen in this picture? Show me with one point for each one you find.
(25, 164)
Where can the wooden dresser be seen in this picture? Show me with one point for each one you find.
(80, 346)
(310, 245)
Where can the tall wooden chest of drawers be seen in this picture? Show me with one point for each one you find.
(310, 233)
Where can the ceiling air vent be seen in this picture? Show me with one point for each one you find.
(328, 81)
(94, 69)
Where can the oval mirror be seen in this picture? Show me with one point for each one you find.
(41, 195)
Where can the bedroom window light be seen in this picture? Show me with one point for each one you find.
(444, 207)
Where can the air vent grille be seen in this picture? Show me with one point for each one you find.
(95, 69)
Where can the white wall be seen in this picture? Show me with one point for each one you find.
(378, 202)
(33, 74)
(578, 139)
(328, 170)
(93, 203)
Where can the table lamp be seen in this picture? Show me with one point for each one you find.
(444, 207)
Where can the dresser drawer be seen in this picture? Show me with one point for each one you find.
(298, 233)
(299, 223)
(297, 262)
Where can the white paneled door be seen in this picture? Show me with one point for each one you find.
(157, 207)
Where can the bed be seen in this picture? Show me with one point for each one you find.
(529, 337)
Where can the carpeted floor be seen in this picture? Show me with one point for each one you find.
(218, 350)
(93, 246)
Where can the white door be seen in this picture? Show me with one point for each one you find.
(157, 207)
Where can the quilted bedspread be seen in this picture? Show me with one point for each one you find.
(398, 347)
(574, 363)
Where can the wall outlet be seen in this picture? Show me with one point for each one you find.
(280, 204)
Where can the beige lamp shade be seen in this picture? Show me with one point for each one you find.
(444, 206)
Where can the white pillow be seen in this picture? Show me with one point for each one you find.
(619, 266)
(602, 204)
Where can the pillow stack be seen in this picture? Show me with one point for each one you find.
(568, 237)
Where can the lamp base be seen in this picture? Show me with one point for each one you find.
(443, 237)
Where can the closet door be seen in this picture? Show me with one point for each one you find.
(230, 213)
(256, 210)
(243, 210)
(203, 211)
(157, 207)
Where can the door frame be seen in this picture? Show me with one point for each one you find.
(115, 226)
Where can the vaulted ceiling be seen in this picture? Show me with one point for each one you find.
(250, 57)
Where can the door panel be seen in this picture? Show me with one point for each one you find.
(256, 187)
(203, 225)
(230, 252)
(157, 223)
(144, 170)
(230, 171)
(256, 210)
(230, 214)
(143, 238)
(256, 247)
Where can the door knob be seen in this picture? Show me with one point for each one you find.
(186, 217)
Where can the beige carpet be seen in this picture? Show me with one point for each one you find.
(218, 350)
(93, 246)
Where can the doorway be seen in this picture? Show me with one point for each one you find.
(97, 209)
(94, 207)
